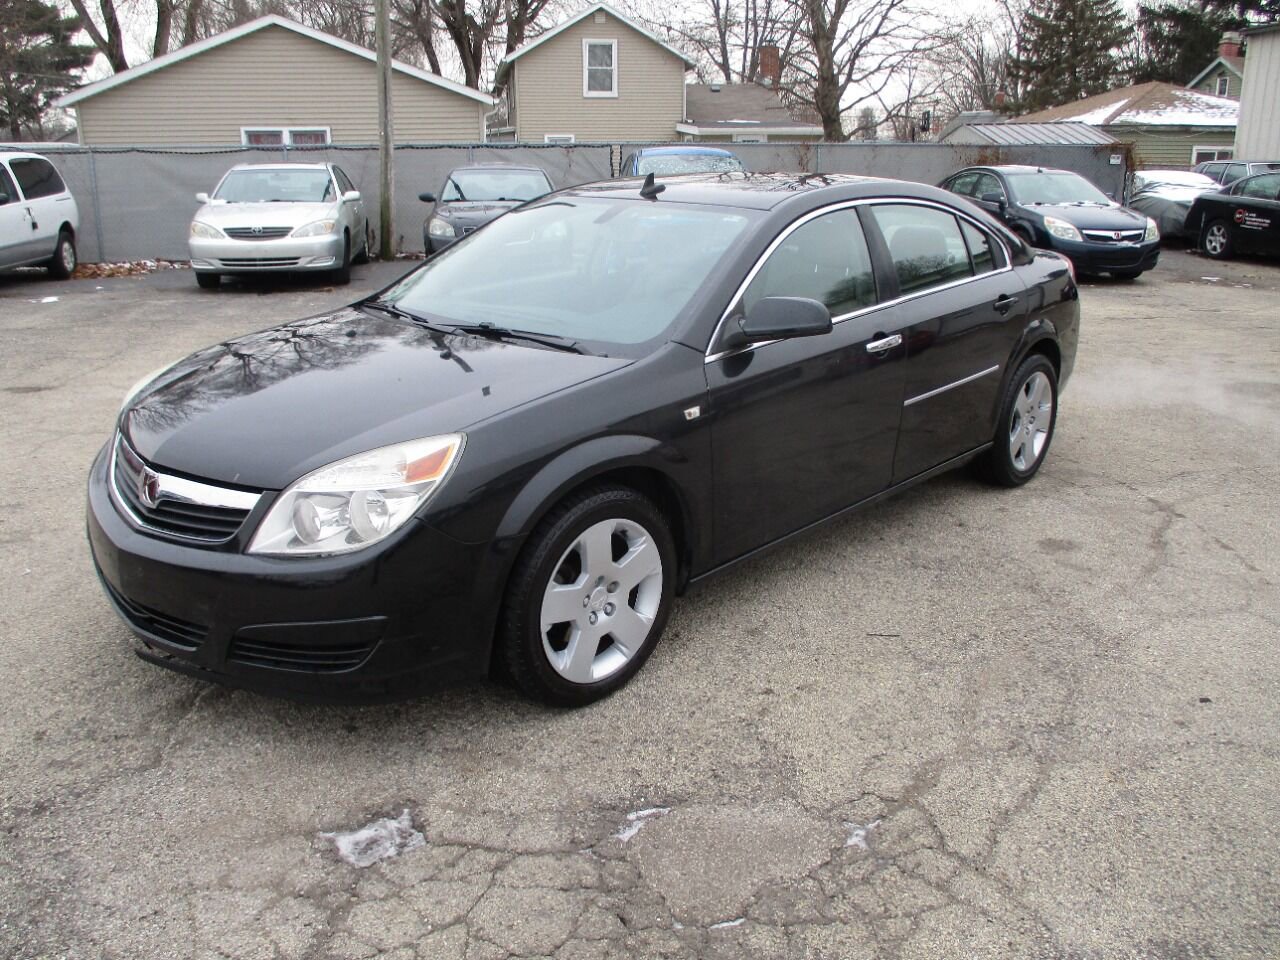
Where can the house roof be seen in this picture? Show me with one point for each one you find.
(253, 26)
(1018, 132)
(1146, 104)
(740, 107)
(505, 63)
(1234, 64)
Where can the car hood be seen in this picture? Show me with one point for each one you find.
(1092, 217)
(223, 215)
(265, 409)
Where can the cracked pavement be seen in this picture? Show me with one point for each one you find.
(967, 723)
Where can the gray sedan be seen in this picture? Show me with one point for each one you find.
(279, 217)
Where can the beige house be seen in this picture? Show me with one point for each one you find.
(1258, 137)
(599, 76)
(272, 81)
(1225, 76)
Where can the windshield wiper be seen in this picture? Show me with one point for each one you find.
(491, 331)
(461, 196)
(386, 306)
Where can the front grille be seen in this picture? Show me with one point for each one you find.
(179, 632)
(257, 233)
(1109, 236)
(203, 514)
(259, 261)
(307, 658)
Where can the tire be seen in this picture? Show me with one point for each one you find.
(1028, 414)
(64, 260)
(557, 574)
(1215, 241)
(1126, 274)
(342, 275)
(208, 281)
(366, 248)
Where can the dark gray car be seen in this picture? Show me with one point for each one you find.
(474, 195)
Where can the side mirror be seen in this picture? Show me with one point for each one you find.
(427, 197)
(351, 196)
(997, 199)
(780, 318)
(202, 198)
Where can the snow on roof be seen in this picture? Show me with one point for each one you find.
(1146, 104)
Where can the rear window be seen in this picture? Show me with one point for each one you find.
(1265, 187)
(36, 177)
(673, 163)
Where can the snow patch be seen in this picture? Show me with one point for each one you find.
(858, 834)
(44, 300)
(376, 841)
(637, 819)
(726, 924)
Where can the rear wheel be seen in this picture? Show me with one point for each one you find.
(1028, 413)
(63, 263)
(366, 248)
(208, 281)
(1216, 240)
(589, 597)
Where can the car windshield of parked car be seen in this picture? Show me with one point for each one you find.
(595, 271)
(275, 186)
(673, 163)
(1033, 188)
(481, 185)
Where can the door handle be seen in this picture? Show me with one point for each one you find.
(1005, 303)
(884, 343)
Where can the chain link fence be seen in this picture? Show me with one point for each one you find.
(136, 203)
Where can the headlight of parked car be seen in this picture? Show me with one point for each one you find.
(1153, 232)
(205, 231)
(1061, 229)
(318, 228)
(358, 501)
(440, 228)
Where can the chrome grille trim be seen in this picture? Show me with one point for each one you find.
(1109, 236)
(257, 233)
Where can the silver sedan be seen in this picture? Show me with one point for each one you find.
(279, 217)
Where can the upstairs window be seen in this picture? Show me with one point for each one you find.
(599, 68)
(1223, 85)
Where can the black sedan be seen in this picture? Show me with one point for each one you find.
(472, 196)
(1242, 218)
(515, 457)
(1060, 210)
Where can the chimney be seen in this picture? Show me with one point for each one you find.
(1230, 44)
(770, 70)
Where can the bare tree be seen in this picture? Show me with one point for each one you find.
(972, 72)
(724, 37)
(109, 38)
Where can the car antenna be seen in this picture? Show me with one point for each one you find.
(650, 190)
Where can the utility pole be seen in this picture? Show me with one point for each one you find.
(386, 146)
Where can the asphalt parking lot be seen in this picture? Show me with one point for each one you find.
(968, 723)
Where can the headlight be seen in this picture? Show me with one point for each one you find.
(205, 231)
(317, 229)
(357, 501)
(439, 228)
(1153, 232)
(137, 387)
(1061, 229)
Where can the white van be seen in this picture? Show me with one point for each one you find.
(38, 215)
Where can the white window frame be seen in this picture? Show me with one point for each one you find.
(594, 94)
(1217, 152)
(1223, 85)
(559, 139)
(286, 134)
(750, 138)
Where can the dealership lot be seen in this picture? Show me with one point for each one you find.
(1034, 723)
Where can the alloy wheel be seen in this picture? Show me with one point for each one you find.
(68, 253)
(1215, 240)
(1032, 418)
(599, 607)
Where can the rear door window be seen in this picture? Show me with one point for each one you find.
(925, 243)
(826, 260)
(36, 177)
(1265, 187)
(1234, 172)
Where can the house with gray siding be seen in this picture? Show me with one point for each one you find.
(1258, 137)
(271, 81)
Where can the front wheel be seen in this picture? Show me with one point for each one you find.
(342, 276)
(1216, 241)
(64, 261)
(208, 281)
(1028, 413)
(1126, 274)
(589, 597)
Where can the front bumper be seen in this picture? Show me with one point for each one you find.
(397, 620)
(1093, 257)
(254, 256)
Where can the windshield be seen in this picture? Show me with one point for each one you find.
(1054, 188)
(670, 163)
(495, 185)
(590, 270)
(275, 186)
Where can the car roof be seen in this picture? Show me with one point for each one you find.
(281, 166)
(696, 151)
(1017, 169)
(20, 155)
(521, 167)
(761, 191)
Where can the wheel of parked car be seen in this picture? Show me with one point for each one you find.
(64, 261)
(1216, 240)
(589, 596)
(1028, 412)
(209, 281)
(342, 275)
(1126, 274)
(366, 248)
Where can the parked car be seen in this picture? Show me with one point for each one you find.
(38, 215)
(1166, 196)
(1061, 210)
(666, 161)
(474, 195)
(515, 457)
(1227, 172)
(274, 217)
(1243, 218)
